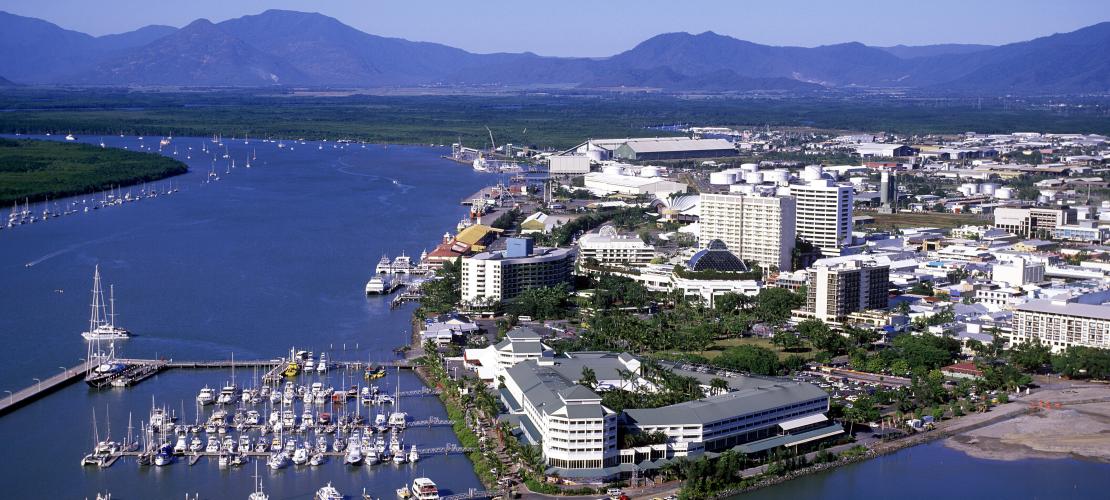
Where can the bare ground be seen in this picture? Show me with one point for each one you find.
(1079, 428)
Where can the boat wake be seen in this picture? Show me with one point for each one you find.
(73, 247)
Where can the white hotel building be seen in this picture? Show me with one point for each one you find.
(755, 228)
(1060, 324)
(824, 214)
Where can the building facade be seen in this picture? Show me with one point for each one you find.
(608, 247)
(491, 277)
(842, 285)
(1060, 324)
(1035, 222)
(755, 228)
(824, 214)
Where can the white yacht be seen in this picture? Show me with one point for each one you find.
(329, 492)
(102, 320)
(379, 285)
(424, 489)
(354, 455)
(300, 457)
(278, 460)
(413, 455)
(206, 396)
(227, 394)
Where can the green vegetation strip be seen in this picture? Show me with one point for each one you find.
(33, 170)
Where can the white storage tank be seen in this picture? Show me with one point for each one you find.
(812, 172)
(596, 155)
(741, 188)
(753, 177)
(649, 171)
(722, 178)
(1004, 193)
(988, 188)
(613, 170)
(749, 167)
(969, 188)
(778, 175)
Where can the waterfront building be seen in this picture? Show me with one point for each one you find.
(824, 214)
(839, 286)
(755, 228)
(609, 247)
(1061, 323)
(656, 149)
(491, 277)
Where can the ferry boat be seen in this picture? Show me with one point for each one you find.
(384, 265)
(381, 285)
(424, 489)
(102, 319)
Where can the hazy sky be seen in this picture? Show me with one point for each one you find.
(605, 27)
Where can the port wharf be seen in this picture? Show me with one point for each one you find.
(140, 369)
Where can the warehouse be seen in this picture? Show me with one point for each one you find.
(656, 149)
(601, 184)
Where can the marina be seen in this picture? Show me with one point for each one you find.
(186, 333)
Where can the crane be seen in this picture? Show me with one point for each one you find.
(492, 145)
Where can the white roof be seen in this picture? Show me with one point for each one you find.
(655, 146)
(803, 421)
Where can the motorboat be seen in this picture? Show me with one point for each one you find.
(424, 489)
(413, 455)
(227, 394)
(163, 459)
(354, 456)
(317, 459)
(213, 445)
(398, 419)
(278, 460)
(181, 445)
(196, 444)
(329, 492)
(300, 456)
(206, 396)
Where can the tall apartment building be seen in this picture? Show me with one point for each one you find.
(1034, 222)
(503, 275)
(839, 286)
(824, 214)
(755, 228)
(1060, 324)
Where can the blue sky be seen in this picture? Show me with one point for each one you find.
(605, 27)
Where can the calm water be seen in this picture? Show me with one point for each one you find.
(265, 259)
(934, 471)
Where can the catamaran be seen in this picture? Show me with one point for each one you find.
(102, 319)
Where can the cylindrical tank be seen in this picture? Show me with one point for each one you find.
(722, 178)
(988, 188)
(753, 177)
(1004, 193)
(741, 188)
(749, 167)
(612, 170)
(649, 172)
(778, 175)
(969, 188)
(812, 172)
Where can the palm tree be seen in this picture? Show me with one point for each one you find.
(718, 386)
(588, 378)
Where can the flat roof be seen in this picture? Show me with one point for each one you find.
(1066, 309)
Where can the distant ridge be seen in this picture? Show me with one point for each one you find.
(281, 47)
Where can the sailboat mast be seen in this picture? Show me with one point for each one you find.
(112, 300)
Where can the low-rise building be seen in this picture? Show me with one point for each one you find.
(609, 247)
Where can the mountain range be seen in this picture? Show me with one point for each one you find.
(292, 48)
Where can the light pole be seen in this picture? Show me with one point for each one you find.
(11, 397)
(38, 384)
(64, 370)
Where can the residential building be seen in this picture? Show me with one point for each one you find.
(842, 285)
(755, 228)
(824, 214)
(1033, 222)
(609, 247)
(1060, 323)
(491, 277)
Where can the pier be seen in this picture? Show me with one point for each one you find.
(41, 388)
(141, 369)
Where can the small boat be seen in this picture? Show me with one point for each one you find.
(329, 492)
(257, 494)
(413, 455)
(196, 444)
(278, 460)
(424, 489)
(354, 456)
(404, 493)
(374, 372)
(300, 456)
(70, 137)
(163, 458)
(317, 460)
(181, 445)
(225, 459)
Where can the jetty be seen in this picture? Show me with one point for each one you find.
(141, 369)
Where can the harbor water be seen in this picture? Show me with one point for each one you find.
(264, 259)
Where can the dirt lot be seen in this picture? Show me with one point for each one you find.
(1080, 427)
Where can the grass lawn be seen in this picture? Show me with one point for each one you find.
(721, 345)
(945, 220)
